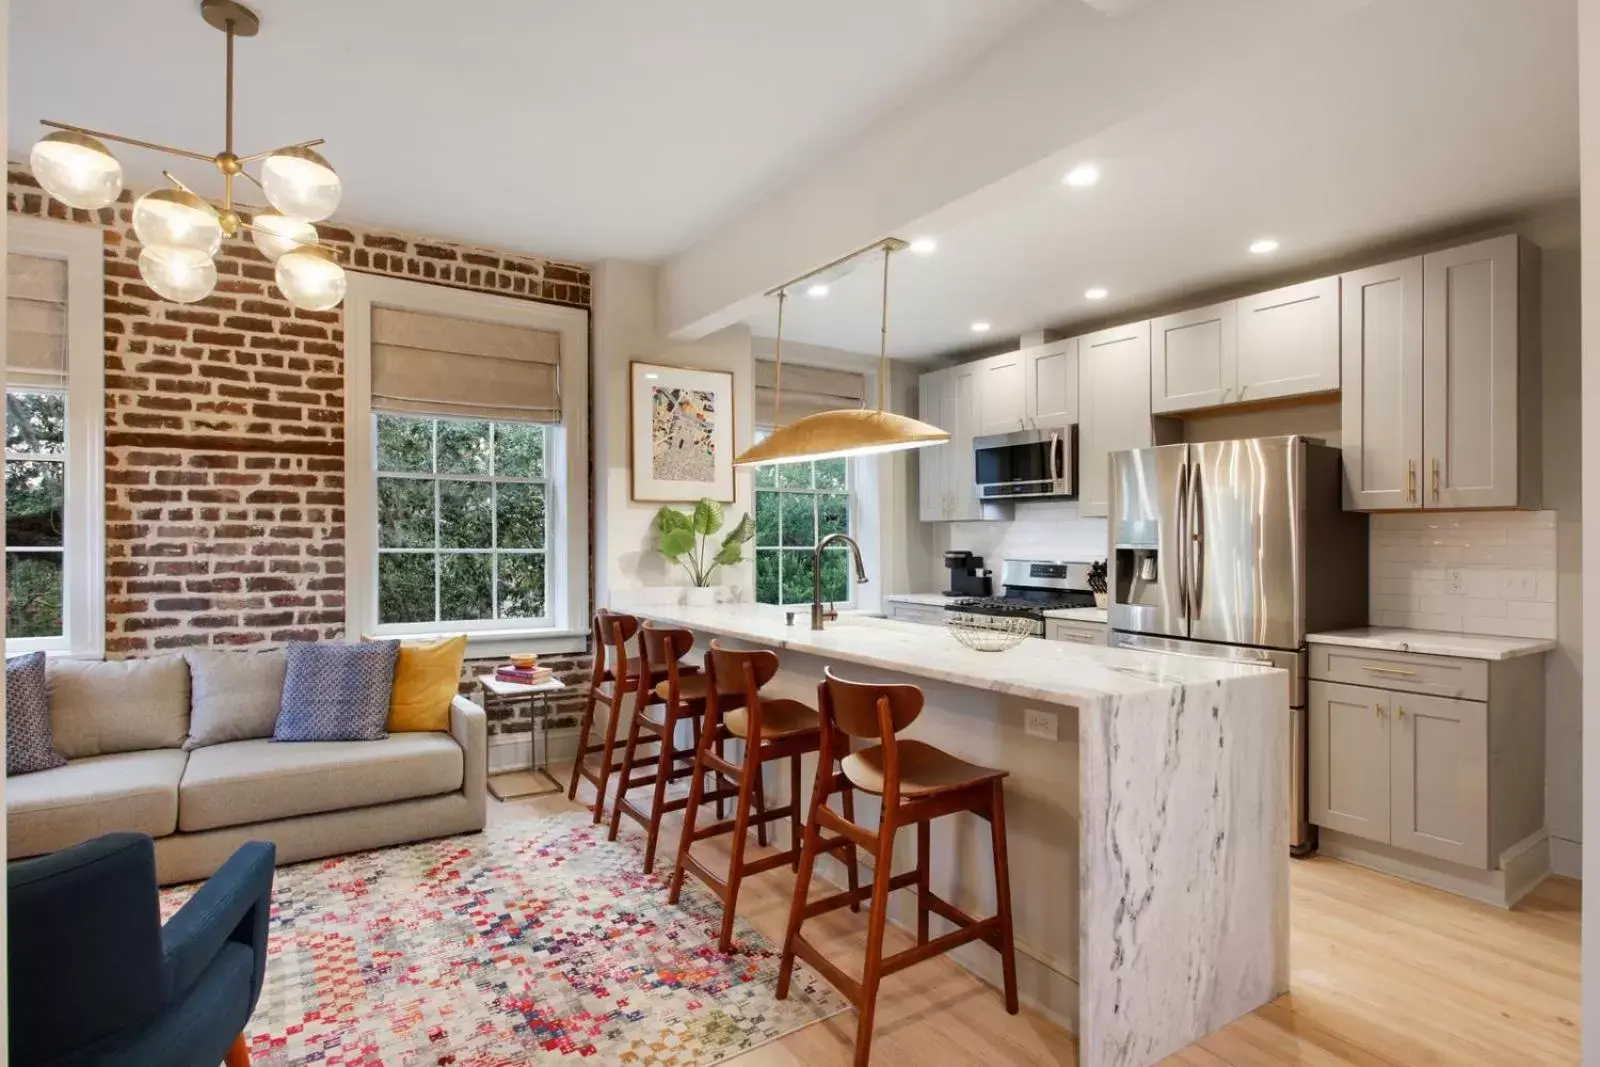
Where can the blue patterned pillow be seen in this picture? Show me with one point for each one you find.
(334, 692)
(29, 745)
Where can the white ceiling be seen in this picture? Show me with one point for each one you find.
(1405, 117)
(581, 130)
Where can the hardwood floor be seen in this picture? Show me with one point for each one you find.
(1385, 974)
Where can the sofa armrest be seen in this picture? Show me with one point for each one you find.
(470, 727)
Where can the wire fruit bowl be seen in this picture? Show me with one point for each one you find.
(1003, 634)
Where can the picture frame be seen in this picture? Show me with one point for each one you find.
(680, 433)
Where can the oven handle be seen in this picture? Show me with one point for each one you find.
(1051, 467)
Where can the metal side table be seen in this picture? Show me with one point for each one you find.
(498, 694)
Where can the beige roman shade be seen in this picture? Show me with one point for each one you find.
(806, 391)
(36, 321)
(429, 364)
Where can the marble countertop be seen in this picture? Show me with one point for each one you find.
(935, 599)
(1434, 642)
(1056, 672)
(1098, 615)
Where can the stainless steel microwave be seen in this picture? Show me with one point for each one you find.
(1028, 463)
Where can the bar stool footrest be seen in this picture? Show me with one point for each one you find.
(846, 897)
(978, 931)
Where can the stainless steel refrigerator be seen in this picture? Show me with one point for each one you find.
(1237, 549)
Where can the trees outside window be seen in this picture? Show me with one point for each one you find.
(797, 504)
(35, 529)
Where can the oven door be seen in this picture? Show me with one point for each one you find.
(1029, 463)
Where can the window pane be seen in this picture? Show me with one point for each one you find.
(830, 473)
(522, 586)
(833, 514)
(464, 518)
(768, 590)
(767, 520)
(405, 513)
(835, 574)
(798, 519)
(794, 475)
(767, 477)
(405, 586)
(33, 594)
(464, 591)
(520, 513)
(796, 576)
(405, 445)
(463, 447)
(35, 495)
(518, 450)
(36, 423)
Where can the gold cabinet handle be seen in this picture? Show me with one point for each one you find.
(1400, 712)
(1377, 710)
(1411, 481)
(1400, 671)
(1435, 479)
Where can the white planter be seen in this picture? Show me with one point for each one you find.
(700, 596)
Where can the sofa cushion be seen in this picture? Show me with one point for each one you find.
(334, 692)
(132, 705)
(251, 781)
(28, 742)
(125, 791)
(427, 676)
(234, 696)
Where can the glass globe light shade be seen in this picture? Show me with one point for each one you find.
(173, 218)
(300, 184)
(183, 275)
(311, 278)
(276, 234)
(77, 170)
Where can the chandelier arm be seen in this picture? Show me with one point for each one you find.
(173, 178)
(298, 144)
(104, 136)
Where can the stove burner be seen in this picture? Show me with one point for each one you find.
(1025, 607)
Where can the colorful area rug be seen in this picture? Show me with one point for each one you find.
(539, 943)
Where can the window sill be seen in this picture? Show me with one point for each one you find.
(495, 643)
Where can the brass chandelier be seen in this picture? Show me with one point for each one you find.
(181, 231)
(846, 431)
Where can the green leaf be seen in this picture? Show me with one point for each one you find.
(668, 519)
(730, 553)
(675, 543)
(742, 531)
(707, 517)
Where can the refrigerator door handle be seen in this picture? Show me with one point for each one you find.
(1183, 542)
(1197, 544)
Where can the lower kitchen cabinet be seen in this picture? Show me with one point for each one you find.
(1350, 759)
(914, 611)
(1083, 633)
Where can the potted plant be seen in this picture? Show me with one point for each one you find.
(684, 539)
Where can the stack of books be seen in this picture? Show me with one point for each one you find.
(524, 675)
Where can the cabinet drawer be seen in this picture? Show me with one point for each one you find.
(929, 614)
(1443, 676)
(1083, 633)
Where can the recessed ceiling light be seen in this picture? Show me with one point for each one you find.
(924, 246)
(1096, 293)
(982, 326)
(1264, 246)
(817, 291)
(1082, 176)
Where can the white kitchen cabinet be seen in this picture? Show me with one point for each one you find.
(914, 611)
(1348, 742)
(965, 413)
(1050, 384)
(1480, 414)
(1192, 359)
(1075, 630)
(1381, 401)
(1114, 402)
(946, 487)
(1439, 767)
(1288, 342)
(1002, 395)
(933, 481)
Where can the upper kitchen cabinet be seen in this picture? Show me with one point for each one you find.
(1114, 405)
(1193, 357)
(1050, 384)
(1441, 380)
(946, 488)
(1288, 342)
(932, 461)
(1002, 405)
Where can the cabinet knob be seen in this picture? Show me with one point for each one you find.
(1400, 712)
(1377, 711)
(1435, 479)
(1411, 481)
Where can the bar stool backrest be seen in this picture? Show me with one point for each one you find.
(867, 710)
(738, 675)
(662, 646)
(612, 631)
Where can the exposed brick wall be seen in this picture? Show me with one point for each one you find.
(225, 432)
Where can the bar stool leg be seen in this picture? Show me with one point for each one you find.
(876, 919)
(802, 882)
(690, 813)
(615, 713)
(749, 781)
(794, 811)
(722, 753)
(625, 774)
(587, 724)
(923, 834)
(666, 759)
(852, 869)
(761, 803)
(1002, 892)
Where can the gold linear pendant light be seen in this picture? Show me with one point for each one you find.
(182, 232)
(847, 431)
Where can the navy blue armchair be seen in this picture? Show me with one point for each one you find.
(96, 979)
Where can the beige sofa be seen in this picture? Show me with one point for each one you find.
(124, 736)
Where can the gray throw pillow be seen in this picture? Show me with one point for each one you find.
(334, 692)
(233, 696)
(98, 707)
(28, 744)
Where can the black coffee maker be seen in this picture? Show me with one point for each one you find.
(968, 576)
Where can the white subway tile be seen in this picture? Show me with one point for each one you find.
(1481, 582)
(1442, 605)
(1546, 585)
(1531, 609)
(1394, 603)
(1510, 627)
(1489, 607)
(1532, 537)
(1517, 584)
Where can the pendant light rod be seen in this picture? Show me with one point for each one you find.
(888, 244)
(777, 356)
(883, 331)
(134, 141)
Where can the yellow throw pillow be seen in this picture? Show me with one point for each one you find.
(427, 677)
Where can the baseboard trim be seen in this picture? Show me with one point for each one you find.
(1566, 858)
(1523, 866)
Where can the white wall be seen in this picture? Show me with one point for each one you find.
(1589, 130)
(1045, 529)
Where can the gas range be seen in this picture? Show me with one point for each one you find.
(1032, 587)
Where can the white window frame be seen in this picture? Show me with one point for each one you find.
(852, 471)
(566, 467)
(83, 600)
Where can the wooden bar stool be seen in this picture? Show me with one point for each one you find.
(771, 729)
(614, 676)
(918, 783)
(657, 711)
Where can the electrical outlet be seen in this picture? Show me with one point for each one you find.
(1039, 723)
(1455, 582)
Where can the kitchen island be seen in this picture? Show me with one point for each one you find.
(1146, 809)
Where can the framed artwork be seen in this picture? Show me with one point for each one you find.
(680, 433)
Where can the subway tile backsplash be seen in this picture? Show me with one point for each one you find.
(1465, 572)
